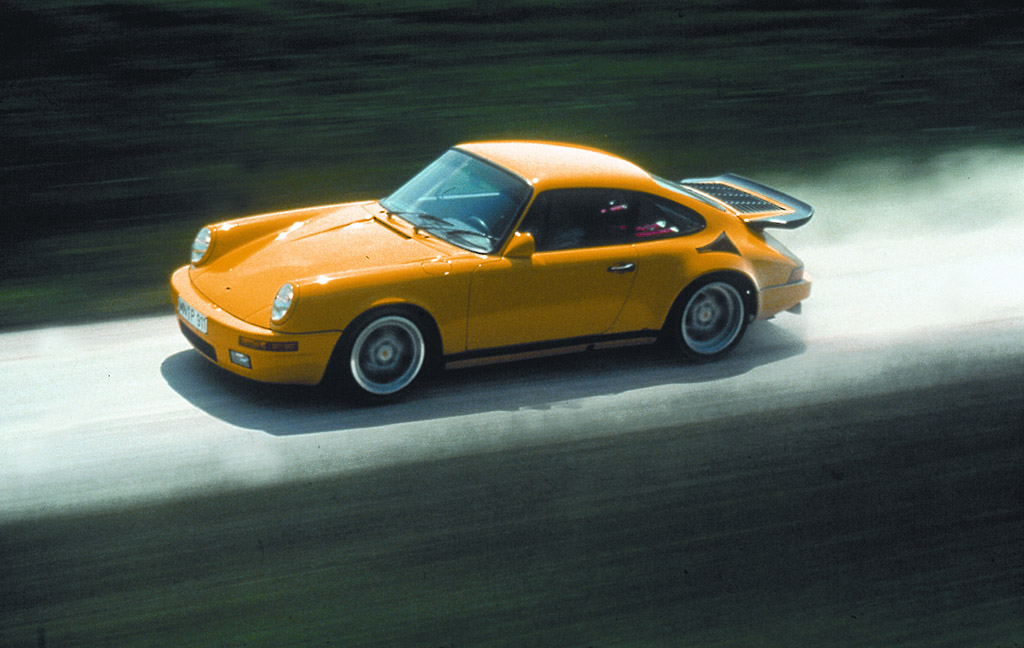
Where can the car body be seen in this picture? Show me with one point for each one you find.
(495, 251)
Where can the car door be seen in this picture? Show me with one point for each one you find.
(574, 284)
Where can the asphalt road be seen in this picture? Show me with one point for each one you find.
(851, 476)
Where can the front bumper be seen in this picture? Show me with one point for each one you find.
(305, 365)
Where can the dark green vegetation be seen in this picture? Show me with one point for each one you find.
(127, 125)
(887, 521)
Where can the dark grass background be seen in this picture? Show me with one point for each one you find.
(128, 125)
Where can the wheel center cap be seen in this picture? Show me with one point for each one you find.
(705, 315)
(385, 353)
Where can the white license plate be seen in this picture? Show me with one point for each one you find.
(191, 315)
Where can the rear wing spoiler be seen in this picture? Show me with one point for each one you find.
(757, 205)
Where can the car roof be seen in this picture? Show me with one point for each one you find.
(551, 165)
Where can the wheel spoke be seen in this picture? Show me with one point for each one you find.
(712, 318)
(387, 355)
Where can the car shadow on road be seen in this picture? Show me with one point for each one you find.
(284, 410)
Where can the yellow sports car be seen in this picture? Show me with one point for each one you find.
(494, 251)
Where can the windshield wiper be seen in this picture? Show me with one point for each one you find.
(473, 232)
(440, 224)
(422, 215)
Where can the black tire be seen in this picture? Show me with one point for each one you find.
(709, 319)
(382, 356)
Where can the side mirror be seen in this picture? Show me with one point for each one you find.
(521, 246)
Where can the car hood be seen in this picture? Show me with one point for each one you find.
(243, 281)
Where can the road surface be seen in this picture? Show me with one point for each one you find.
(851, 476)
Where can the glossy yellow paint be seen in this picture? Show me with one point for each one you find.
(521, 301)
(345, 260)
(305, 366)
(554, 166)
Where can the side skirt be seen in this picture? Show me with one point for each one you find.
(545, 349)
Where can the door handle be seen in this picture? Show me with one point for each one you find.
(623, 268)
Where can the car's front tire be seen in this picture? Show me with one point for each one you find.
(382, 356)
(709, 319)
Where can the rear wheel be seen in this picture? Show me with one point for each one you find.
(709, 320)
(384, 356)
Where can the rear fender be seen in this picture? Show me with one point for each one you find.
(742, 282)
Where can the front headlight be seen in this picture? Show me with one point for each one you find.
(282, 303)
(201, 245)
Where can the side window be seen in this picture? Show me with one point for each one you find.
(563, 219)
(659, 218)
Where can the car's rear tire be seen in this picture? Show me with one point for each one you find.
(382, 356)
(709, 319)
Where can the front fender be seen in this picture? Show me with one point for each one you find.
(332, 303)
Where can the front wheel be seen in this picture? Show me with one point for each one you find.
(385, 356)
(710, 320)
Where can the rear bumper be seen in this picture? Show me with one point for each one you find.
(775, 299)
(224, 333)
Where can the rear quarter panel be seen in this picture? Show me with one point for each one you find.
(666, 267)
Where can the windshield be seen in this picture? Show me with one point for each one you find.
(462, 200)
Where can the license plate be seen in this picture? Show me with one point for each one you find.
(191, 315)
